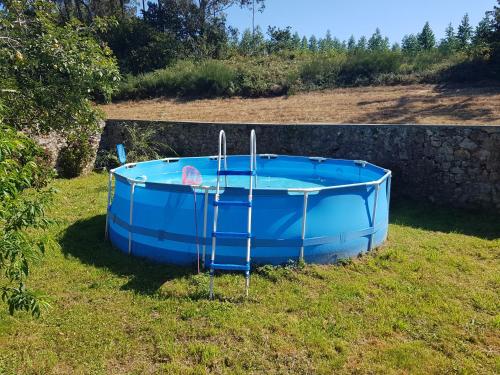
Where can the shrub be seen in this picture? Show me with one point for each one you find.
(265, 76)
(23, 177)
(321, 72)
(251, 77)
(363, 68)
(75, 156)
(141, 144)
(205, 79)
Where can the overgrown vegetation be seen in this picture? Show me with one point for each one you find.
(427, 302)
(140, 145)
(253, 65)
(24, 174)
(186, 48)
(48, 72)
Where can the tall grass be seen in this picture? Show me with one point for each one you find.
(282, 74)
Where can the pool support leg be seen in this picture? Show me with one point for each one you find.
(131, 211)
(304, 221)
(205, 213)
(374, 216)
(110, 183)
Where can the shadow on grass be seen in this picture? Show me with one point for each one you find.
(84, 240)
(425, 216)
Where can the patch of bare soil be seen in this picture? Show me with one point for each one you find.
(414, 104)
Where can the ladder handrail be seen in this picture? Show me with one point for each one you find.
(222, 149)
(253, 156)
(253, 169)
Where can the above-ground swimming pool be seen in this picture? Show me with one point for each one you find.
(304, 208)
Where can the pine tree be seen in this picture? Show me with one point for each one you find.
(377, 42)
(396, 47)
(246, 43)
(351, 44)
(464, 33)
(450, 43)
(426, 38)
(296, 41)
(326, 44)
(362, 43)
(259, 42)
(313, 44)
(410, 44)
(483, 32)
(304, 45)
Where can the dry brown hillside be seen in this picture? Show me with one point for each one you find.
(415, 104)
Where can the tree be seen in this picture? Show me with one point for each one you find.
(326, 44)
(426, 39)
(233, 37)
(377, 42)
(139, 47)
(296, 41)
(313, 44)
(351, 44)
(464, 33)
(51, 69)
(279, 39)
(259, 42)
(47, 74)
(199, 26)
(410, 44)
(450, 43)
(362, 44)
(246, 43)
(396, 47)
(304, 45)
(482, 35)
(87, 10)
(494, 37)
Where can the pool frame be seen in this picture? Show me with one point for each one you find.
(206, 189)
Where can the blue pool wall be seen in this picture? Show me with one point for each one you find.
(339, 221)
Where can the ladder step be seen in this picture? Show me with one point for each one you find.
(233, 203)
(230, 267)
(233, 172)
(232, 235)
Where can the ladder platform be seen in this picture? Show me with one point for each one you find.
(230, 267)
(234, 172)
(233, 203)
(232, 235)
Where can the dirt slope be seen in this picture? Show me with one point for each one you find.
(415, 104)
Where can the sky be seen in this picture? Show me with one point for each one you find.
(344, 18)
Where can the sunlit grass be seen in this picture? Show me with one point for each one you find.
(426, 302)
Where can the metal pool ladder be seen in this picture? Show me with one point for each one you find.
(252, 172)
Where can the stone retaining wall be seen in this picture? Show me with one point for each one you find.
(453, 165)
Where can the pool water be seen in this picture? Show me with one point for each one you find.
(263, 181)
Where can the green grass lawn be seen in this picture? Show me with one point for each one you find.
(426, 302)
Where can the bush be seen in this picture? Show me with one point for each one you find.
(141, 144)
(252, 77)
(265, 76)
(321, 72)
(185, 78)
(364, 68)
(75, 156)
(24, 173)
(280, 74)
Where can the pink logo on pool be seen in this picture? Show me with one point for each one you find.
(191, 176)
